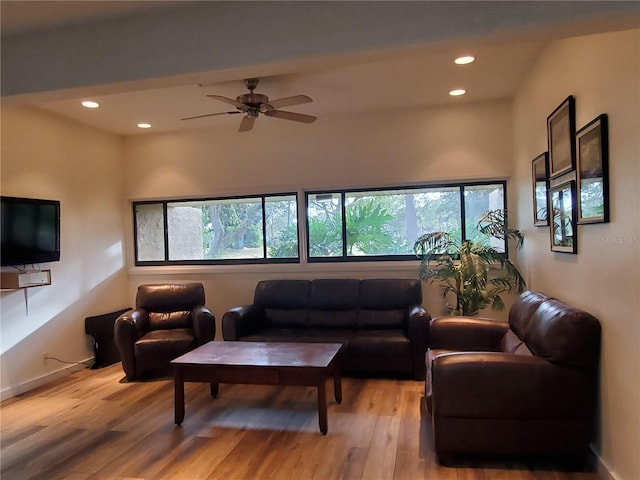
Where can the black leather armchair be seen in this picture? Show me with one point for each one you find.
(168, 321)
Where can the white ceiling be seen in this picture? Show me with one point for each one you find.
(399, 79)
(403, 80)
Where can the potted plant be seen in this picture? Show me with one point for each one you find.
(468, 269)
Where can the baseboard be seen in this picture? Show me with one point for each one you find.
(44, 379)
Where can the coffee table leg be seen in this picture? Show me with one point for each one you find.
(179, 396)
(337, 386)
(322, 407)
(214, 389)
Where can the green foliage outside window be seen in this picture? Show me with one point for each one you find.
(341, 225)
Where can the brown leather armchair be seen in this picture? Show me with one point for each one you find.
(527, 387)
(168, 321)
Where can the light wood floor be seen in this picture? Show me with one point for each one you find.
(95, 425)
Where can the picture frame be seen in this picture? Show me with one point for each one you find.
(562, 218)
(592, 171)
(561, 133)
(540, 183)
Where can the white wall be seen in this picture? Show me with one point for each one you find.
(44, 156)
(383, 148)
(365, 150)
(603, 73)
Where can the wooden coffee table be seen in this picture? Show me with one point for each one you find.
(261, 363)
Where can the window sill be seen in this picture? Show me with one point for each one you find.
(288, 268)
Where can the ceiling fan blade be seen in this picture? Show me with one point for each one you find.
(247, 123)
(296, 117)
(288, 101)
(208, 115)
(228, 100)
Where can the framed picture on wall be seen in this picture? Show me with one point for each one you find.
(592, 171)
(561, 133)
(562, 218)
(540, 179)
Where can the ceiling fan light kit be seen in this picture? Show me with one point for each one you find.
(253, 104)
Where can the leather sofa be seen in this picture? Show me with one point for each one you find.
(381, 322)
(526, 388)
(168, 321)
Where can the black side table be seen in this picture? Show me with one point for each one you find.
(100, 328)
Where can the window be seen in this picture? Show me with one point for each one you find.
(478, 199)
(257, 229)
(384, 224)
(344, 225)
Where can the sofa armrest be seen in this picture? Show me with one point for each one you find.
(204, 324)
(418, 333)
(466, 334)
(128, 328)
(505, 385)
(238, 322)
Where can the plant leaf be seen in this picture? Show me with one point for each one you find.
(465, 269)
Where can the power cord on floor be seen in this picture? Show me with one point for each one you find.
(86, 362)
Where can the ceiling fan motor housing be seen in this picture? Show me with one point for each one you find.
(253, 100)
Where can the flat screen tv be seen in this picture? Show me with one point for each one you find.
(30, 230)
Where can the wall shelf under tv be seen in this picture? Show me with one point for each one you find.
(26, 279)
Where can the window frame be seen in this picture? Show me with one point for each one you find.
(263, 198)
(386, 258)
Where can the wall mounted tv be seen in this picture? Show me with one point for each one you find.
(30, 230)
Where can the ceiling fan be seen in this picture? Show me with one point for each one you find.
(253, 104)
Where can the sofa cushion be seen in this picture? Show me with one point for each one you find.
(168, 320)
(272, 334)
(333, 303)
(285, 317)
(165, 343)
(381, 318)
(387, 342)
(390, 349)
(564, 335)
(326, 335)
(312, 335)
(384, 303)
(334, 294)
(389, 294)
(285, 302)
(168, 298)
(333, 318)
(522, 311)
(283, 294)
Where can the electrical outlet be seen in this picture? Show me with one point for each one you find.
(45, 356)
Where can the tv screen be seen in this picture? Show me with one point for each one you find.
(30, 230)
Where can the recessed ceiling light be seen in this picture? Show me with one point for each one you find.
(90, 104)
(465, 60)
(457, 92)
(144, 125)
